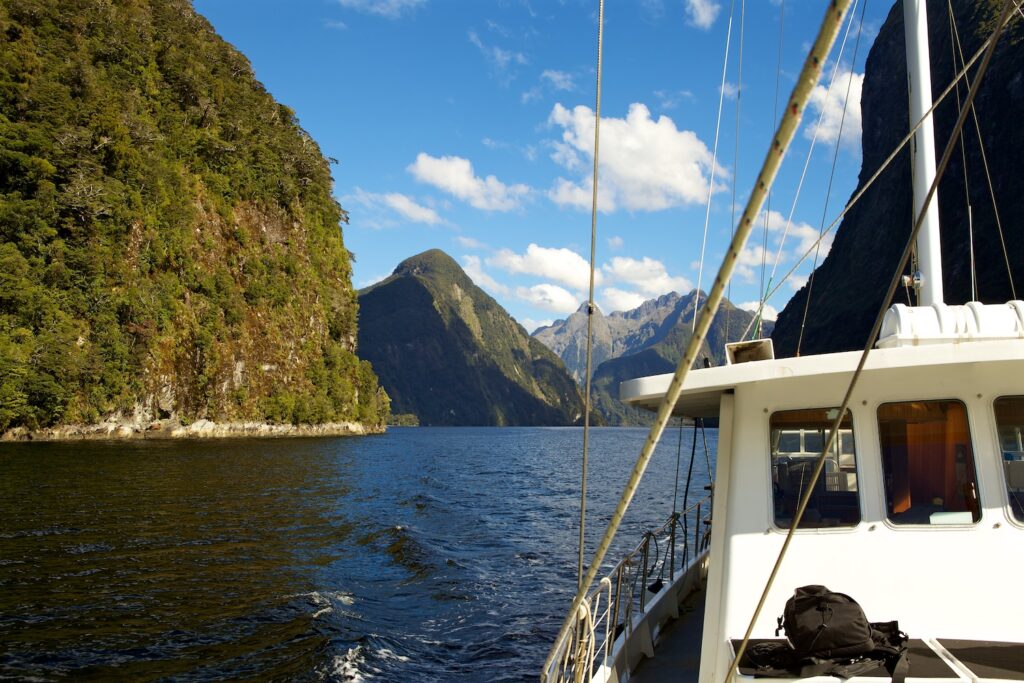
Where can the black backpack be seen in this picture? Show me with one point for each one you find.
(825, 625)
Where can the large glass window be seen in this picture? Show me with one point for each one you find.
(797, 439)
(1010, 426)
(928, 463)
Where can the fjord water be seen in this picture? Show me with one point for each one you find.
(421, 554)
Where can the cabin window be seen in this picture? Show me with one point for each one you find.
(797, 439)
(1010, 427)
(928, 463)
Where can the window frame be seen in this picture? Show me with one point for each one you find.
(883, 492)
(857, 470)
(1004, 479)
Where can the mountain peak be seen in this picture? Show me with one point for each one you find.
(429, 261)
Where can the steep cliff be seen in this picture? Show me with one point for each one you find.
(849, 285)
(451, 355)
(169, 245)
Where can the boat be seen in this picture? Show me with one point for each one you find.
(894, 475)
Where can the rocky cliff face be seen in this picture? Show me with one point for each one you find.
(451, 355)
(849, 285)
(169, 247)
(647, 340)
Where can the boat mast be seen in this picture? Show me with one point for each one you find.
(915, 20)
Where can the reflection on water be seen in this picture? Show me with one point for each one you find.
(421, 554)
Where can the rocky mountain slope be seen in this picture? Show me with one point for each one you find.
(170, 250)
(451, 355)
(849, 285)
(646, 340)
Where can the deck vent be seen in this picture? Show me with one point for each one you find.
(747, 351)
(942, 324)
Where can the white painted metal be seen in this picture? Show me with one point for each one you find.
(939, 581)
(915, 18)
(942, 324)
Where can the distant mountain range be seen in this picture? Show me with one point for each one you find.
(647, 340)
(450, 354)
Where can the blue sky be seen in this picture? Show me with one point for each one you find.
(468, 126)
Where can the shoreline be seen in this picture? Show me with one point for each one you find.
(200, 429)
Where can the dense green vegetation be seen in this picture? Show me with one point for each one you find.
(169, 244)
(451, 355)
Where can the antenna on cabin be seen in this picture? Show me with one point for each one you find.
(915, 21)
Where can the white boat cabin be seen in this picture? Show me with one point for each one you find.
(918, 514)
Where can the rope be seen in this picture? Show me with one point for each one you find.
(832, 174)
(885, 164)
(590, 299)
(897, 276)
(714, 165)
(805, 82)
(585, 647)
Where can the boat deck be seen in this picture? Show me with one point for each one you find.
(677, 652)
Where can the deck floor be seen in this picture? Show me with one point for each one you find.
(677, 652)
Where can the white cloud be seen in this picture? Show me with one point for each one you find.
(829, 107)
(729, 90)
(620, 299)
(530, 324)
(469, 242)
(797, 281)
(531, 95)
(501, 59)
(769, 312)
(561, 265)
(646, 164)
(615, 242)
(383, 207)
(559, 80)
(671, 99)
(372, 280)
(474, 269)
(648, 275)
(455, 176)
(702, 13)
(389, 9)
(337, 25)
(549, 297)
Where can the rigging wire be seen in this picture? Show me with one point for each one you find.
(768, 205)
(832, 175)
(590, 298)
(984, 158)
(736, 155)
(714, 164)
(893, 284)
(888, 160)
(807, 163)
(805, 82)
(953, 39)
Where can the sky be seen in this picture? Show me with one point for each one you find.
(468, 126)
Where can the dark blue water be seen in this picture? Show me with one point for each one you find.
(423, 554)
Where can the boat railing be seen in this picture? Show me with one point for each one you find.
(607, 618)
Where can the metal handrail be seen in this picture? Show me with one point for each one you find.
(621, 596)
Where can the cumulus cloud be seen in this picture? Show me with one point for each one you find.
(469, 242)
(647, 275)
(455, 176)
(702, 13)
(620, 300)
(828, 106)
(549, 297)
(769, 312)
(646, 164)
(559, 80)
(383, 208)
(474, 269)
(561, 265)
(800, 238)
(389, 9)
(615, 242)
(532, 325)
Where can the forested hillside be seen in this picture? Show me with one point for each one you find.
(169, 244)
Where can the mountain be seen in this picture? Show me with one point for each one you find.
(613, 335)
(646, 340)
(451, 355)
(169, 246)
(849, 285)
